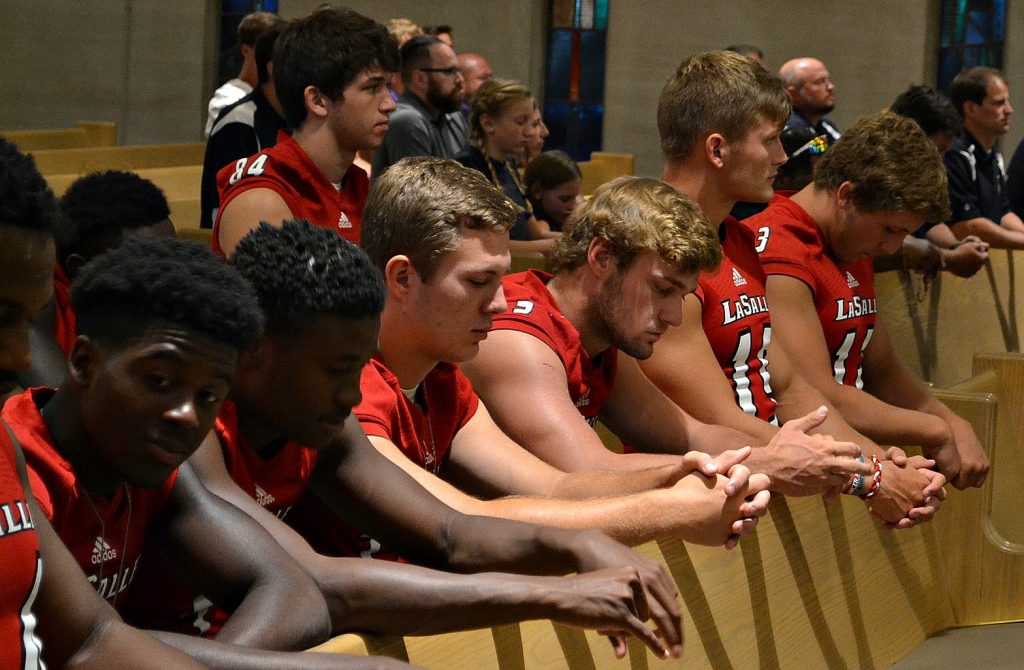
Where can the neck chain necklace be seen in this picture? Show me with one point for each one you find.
(101, 546)
(418, 398)
(513, 174)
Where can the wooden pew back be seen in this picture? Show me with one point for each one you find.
(603, 167)
(143, 156)
(85, 134)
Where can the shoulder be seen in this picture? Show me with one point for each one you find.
(471, 157)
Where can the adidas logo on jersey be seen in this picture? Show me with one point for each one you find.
(851, 281)
(737, 278)
(343, 221)
(102, 552)
(263, 498)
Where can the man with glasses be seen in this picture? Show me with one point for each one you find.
(812, 95)
(427, 121)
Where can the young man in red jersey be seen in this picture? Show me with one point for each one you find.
(330, 74)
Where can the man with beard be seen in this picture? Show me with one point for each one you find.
(427, 121)
(812, 94)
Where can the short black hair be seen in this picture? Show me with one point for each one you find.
(263, 51)
(416, 53)
(300, 271)
(98, 207)
(25, 199)
(146, 281)
(933, 111)
(327, 49)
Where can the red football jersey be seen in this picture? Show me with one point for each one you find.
(734, 313)
(532, 310)
(20, 566)
(791, 244)
(105, 535)
(287, 169)
(161, 598)
(424, 435)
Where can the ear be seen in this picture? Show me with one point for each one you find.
(399, 276)
(716, 149)
(73, 263)
(83, 361)
(600, 259)
(487, 123)
(844, 195)
(791, 89)
(970, 108)
(317, 103)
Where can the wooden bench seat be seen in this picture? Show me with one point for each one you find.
(85, 134)
(603, 167)
(138, 157)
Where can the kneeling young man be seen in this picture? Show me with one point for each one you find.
(881, 181)
(160, 324)
(280, 434)
(439, 232)
(719, 117)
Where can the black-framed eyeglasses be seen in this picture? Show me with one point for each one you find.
(450, 71)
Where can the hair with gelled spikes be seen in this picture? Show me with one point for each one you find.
(300, 271)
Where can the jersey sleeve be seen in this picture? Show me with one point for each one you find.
(377, 410)
(780, 250)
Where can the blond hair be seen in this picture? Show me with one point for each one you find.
(402, 30)
(892, 165)
(493, 98)
(717, 92)
(419, 206)
(635, 215)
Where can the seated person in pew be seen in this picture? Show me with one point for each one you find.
(500, 127)
(553, 183)
(330, 75)
(275, 438)
(160, 324)
(439, 231)
(978, 195)
(244, 127)
(720, 117)
(98, 212)
(941, 123)
(49, 613)
(881, 181)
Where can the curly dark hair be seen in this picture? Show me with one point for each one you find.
(327, 49)
(25, 199)
(300, 271)
(122, 292)
(98, 207)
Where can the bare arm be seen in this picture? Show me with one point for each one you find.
(692, 509)
(211, 543)
(798, 331)
(523, 384)
(401, 599)
(245, 212)
(360, 485)
(78, 629)
(1007, 234)
(961, 458)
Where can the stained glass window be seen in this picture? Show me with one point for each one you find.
(973, 32)
(574, 80)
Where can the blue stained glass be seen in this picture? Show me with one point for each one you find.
(600, 14)
(972, 34)
(559, 69)
(999, 20)
(592, 61)
(575, 129)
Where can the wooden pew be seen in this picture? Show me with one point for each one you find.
(85, 134)
(818, 586)
(603, 167)
(180, 184)
(144, 156)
